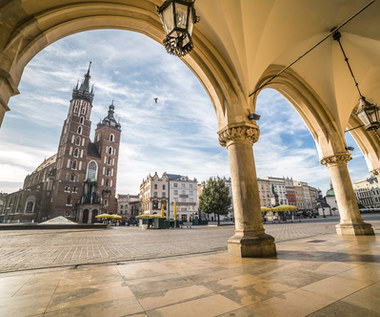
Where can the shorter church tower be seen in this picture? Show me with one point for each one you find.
(107, 141)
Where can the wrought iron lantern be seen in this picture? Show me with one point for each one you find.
(178, 18)
(368, 113)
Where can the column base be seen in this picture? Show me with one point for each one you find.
(354, 229)
(252, 246)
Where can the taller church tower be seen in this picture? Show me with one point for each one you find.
(86, 172)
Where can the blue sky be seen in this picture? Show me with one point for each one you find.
(176, 135)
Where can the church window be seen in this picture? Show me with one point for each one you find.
(77, 140)
(81, 120)
(112, 137)
(109, 161)
(68, 201)
(67, 189)
(79, 130)
(76, 106)
(84, 108)
(29, 206)
(106, 182)
(49, 184)
(74, 165)
(72, 177)
(155, 186)
(91, 170)
(106, 202)
(108, 172)
(75, 190)
(110, 150)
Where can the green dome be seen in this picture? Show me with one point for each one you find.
(330, 192)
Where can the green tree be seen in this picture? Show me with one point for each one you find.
(215, 198)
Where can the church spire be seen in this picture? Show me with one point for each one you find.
(83, 92)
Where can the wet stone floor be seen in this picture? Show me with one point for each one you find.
(322, 275)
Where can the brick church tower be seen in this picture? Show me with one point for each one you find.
(86, 172)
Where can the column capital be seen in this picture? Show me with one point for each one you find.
(375, 172)
(336, 159)
(238, 132)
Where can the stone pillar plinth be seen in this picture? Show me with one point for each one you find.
(351, 222)
(249, 239)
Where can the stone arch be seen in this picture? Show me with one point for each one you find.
(36, 27)
(327, 136)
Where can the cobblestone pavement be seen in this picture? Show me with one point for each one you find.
(30, 249)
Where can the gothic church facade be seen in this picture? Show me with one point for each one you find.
(79, 181)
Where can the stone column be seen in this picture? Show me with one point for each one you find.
(80, 220)
(250, 239)
(351, 222)
(89, 216)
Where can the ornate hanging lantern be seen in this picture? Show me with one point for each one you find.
(178, 18)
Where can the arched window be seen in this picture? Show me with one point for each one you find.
(77, 140)
(84, 108)
(68, 201)
(109, 161)
(74, 165)
(112, 137)
(79, 130)
(110, 150)
(81, 120)
(76, 106)
(92, 170)
(106, 182)
(67, 189)
(76, 152)
(75, 189)
(72, 177)
(108, 172)
(29, 206)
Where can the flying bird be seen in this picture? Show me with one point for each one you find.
(155, 100)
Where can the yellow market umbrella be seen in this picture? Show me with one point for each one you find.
(148, 216)
(264, 209)
(284, 208)
(117, 217)
(162, 211)
(175, 211)
(103, 216)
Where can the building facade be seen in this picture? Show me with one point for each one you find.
(183, 191)
(367, 192)
(129, 206)
(154, 193)
(79, 181)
